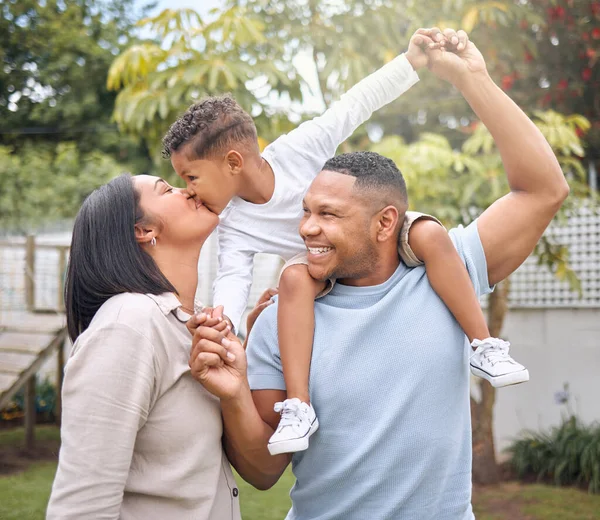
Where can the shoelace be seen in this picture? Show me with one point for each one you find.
(289, 414)
(497, 352)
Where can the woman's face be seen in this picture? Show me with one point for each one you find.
(181, 220)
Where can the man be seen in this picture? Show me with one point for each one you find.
(394, 442)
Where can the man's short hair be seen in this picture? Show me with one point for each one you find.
(211, 125)
(372, 172)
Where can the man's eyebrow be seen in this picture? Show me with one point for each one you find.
(157, 181)
(326, 205)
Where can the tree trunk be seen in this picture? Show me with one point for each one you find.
(485, 468)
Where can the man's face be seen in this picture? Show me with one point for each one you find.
(206, 179)
(338, 230)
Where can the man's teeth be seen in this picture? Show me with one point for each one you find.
(319, 250)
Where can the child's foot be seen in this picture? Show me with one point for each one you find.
(298, 422)
(492, 362)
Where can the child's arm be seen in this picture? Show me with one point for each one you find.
(231, 287)
(448, 276)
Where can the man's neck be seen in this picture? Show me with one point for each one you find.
(258, 182)
(181, 269)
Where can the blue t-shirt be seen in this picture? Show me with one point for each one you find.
(389, 381)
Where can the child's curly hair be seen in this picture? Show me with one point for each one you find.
(211, 125)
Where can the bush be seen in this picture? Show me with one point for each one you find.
(45, 401)
(566, 455)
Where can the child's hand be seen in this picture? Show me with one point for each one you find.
(420, 43)
(206, 319)
(263, 302)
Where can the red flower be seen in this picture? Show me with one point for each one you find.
(596, 8)
(507, 82)
(586, 74)
(591, 54)
(563, 84)
(596, 33)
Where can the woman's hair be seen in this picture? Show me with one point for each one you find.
(106, 258)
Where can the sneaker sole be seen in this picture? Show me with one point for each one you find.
(293, 445)
(514, 378)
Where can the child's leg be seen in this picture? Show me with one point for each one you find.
(448, 276)
(296, 324)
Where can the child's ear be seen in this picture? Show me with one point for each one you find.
(235, 162)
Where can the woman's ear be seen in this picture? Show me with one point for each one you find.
(386, 223)
(144, 235)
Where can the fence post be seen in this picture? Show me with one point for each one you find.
(30, 273)
(30, 412)
(62, 265)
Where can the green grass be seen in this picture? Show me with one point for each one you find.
(266, 505)
(24, 496)
(16, 436)
(535, 502)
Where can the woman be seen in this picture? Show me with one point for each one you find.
(140, 437)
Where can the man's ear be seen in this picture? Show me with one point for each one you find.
(387, 220)
(144, 234)
(235, 162)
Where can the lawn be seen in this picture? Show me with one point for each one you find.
(23, 496)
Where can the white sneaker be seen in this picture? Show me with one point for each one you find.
(298, 422)
(492, 362)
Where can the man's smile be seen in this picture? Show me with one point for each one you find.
(319, 252)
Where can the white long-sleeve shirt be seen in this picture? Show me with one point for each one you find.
(296, 159)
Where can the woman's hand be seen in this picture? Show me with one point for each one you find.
(263, 302)
(217, 360)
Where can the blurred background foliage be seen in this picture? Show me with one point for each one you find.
(108, 78)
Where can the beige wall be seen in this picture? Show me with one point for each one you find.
(558, 346)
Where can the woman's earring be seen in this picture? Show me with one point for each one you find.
(153, 241)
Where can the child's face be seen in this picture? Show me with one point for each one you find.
(207, 180)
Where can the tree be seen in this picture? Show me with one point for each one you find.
(194, 59)
(457, 185)
(254, 42)
(55, 56)
(57, 180)
(557, 65)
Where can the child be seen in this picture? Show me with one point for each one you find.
(214, 148)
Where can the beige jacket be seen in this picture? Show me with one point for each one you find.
(141, 439)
